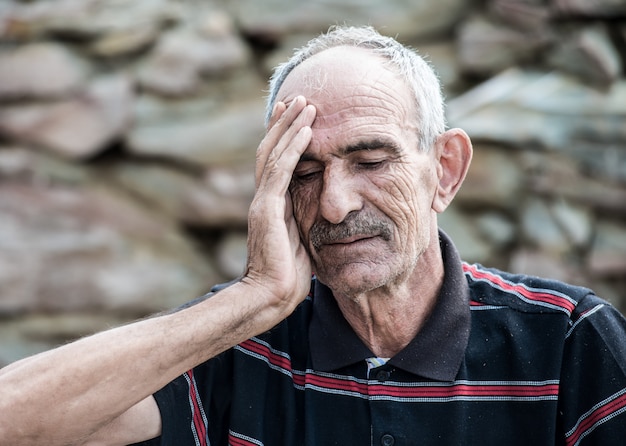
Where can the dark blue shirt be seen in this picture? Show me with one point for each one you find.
(502, 359)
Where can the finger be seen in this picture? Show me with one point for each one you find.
(261, 155)
(282, 134)
(279, 123)
(280, 165)
(292, 134)
(277, 111)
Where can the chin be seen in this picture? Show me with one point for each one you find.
(354, 278)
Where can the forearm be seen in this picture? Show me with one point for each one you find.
(63, 395)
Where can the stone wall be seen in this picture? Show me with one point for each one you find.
(128, 130)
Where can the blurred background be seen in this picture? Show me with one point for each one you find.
(128, 130)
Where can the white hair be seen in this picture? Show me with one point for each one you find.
(419, 75)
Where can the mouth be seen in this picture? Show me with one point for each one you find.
(356, 229)
(349, 240)
(352, 242)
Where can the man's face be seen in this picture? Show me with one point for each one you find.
(362, 191)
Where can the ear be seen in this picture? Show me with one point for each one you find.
(454, 154)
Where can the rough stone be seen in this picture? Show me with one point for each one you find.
(590, 54)
(536, 262)
(124, 42)
(226, 198)
(163, 187)
(83, 19)
(468, 240)
(74, 128)
(107, 253)
(40, 70)
(521, 14)
(153, 110)
(22, 164)
(576, 222)
(218, 198)
(404, 17)
(540, 228)
(487, 48)
(495, 227)
(556, 175)
(540, 105)
(594, 9)
(608, 254)
(494, 178)
(231, 135)
(184, 55)
(232, 251)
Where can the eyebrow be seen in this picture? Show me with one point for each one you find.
(364, 145)
(372, 144)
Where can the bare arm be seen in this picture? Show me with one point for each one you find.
(78, 392)
(139, 423)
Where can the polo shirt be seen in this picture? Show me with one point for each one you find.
(502, 359)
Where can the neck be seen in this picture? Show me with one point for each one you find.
(388, 318)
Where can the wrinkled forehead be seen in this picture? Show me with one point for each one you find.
(338, 71)
(358, 99)
(343, 80)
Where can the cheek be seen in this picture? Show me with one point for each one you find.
(305, 201)
(406, 197)
(401, 194)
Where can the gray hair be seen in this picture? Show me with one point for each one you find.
(419, 75)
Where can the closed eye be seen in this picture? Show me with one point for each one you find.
(371, 156)
(306, 176)
(307, 170)
(370, 165)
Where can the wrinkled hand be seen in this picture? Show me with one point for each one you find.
(278, 264)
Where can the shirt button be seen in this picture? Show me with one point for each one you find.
(383, 375)
(387, 440)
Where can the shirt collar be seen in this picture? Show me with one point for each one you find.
(435, 353)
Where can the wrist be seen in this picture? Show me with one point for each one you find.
(268, 300)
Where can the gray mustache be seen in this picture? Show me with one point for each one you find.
(322, 232)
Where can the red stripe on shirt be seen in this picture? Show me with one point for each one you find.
(196, 413)
(263, 350)
(451, 391)
(588, 423)
(273, 358)
(236, 441)
(331, 383)
(535, 295)
(460, 390)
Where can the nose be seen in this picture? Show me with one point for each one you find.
(339, 197)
